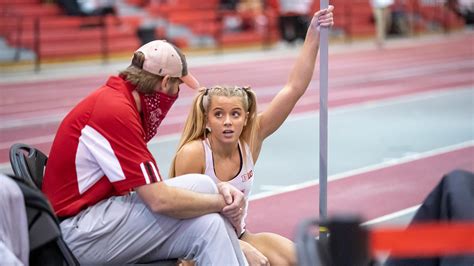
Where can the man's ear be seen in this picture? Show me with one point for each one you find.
(164, 82)
(167, 87)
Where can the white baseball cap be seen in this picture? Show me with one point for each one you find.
(163, 58)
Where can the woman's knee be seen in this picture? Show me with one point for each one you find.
(201, 183)
(195, 182)
(280, 259)
(279, 250)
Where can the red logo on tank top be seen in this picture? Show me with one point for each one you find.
(247, 176)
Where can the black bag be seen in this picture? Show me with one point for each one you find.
(46, 244)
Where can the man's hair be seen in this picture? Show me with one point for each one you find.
(144, 81)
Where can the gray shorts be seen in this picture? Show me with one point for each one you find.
(123, 230)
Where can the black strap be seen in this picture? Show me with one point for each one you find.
(61, 219)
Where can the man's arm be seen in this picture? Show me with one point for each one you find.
(179, 203)
(190, 159)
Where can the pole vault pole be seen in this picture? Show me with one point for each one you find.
(323, 120)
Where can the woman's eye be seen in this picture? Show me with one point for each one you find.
(218, 114)
(235, 114)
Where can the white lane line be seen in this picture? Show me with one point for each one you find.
(198, 60)
(30, 141)
(293, 117)
(272, 188)
(391, 216)
(309, 99)
(366, 169)
(335, 82)
(354, 107)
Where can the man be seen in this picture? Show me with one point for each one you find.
(294, 19)
(381, 11)
(105, 186)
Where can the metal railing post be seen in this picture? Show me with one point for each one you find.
(348, 18)
(446, 17)
(219, 31)
(19, 33)
(37, 43)
(104, 40)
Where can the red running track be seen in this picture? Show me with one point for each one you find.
(371, 194)
(31, 111)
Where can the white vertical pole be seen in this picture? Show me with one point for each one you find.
(323, 117)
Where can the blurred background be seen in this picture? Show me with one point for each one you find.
(52, 30)
(401, 104)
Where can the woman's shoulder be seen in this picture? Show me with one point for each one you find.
(190, 158)
(192, 148)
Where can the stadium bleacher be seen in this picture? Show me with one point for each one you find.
(44, 27)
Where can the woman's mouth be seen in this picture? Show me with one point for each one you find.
(228, 133)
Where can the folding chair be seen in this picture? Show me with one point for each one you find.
(28, 163)
(46, 243)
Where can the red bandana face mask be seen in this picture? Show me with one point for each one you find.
(155, 106)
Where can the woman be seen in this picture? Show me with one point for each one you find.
(223, 136)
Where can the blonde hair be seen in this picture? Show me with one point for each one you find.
(195, 125)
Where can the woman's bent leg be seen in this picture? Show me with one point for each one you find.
(278, 249)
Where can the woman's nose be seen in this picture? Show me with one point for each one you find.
(227, 121)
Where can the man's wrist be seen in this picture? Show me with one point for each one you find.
(220, 202)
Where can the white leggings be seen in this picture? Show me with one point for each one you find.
(123, 230)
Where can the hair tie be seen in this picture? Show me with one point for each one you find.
(204, 100)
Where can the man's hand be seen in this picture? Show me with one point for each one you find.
(233, 197)
(235, 201)
(253, 256)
